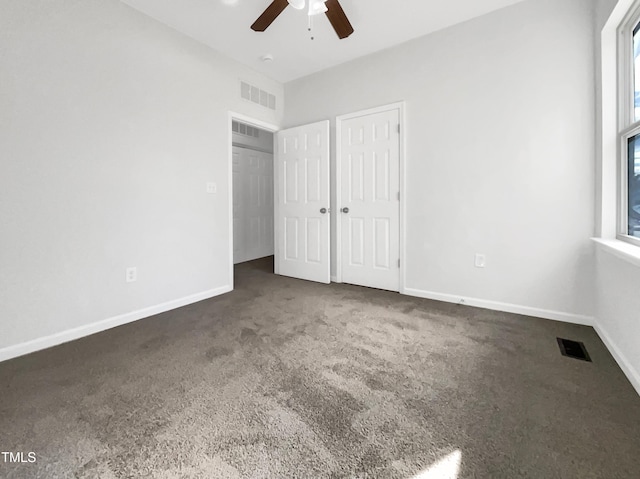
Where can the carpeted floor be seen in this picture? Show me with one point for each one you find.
(287, 378)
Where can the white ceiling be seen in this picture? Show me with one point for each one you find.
(224, 26)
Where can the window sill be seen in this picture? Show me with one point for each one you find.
(622, 250)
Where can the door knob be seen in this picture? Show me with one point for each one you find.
(323, 210)
(345, 210)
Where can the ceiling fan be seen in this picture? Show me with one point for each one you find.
(331, 8)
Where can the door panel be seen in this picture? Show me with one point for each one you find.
(356, 241)
(314, 240)
(381, 243)
(238, 208)
(312, 177)
(291, 239)
(369, 188)
(302, 230)
(356, 177)
(252, 204)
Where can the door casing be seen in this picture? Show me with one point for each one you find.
(259, 124)
(400, 106)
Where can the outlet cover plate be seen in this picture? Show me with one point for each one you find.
(132, 274)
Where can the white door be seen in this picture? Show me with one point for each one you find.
(302, 205)
(369, 200)
(252, 204)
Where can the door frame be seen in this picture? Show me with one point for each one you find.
(400, 106)
(263, 125)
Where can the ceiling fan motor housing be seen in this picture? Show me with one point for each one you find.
(332, 8)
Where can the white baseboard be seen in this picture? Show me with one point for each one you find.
(86, 330)
(632, 374)
(334, 278)
(506, 307)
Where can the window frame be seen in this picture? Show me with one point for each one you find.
(628, 126)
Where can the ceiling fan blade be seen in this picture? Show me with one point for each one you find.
(338, 19)
(269, 15)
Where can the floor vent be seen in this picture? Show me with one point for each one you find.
(573, 349)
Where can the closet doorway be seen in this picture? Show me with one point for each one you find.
(253, 195)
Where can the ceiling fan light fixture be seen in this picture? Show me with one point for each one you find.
(297, 4)
(317, 7)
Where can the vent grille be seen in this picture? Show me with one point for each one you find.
(573, 349)
(258, 96)
(243, 129)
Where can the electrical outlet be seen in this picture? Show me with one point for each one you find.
(132, 274)
(481, 260)
(212, 188)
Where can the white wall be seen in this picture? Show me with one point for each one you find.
(603, 9)
(500, 153)
(617, 279)
(618, 311)
(110, 125)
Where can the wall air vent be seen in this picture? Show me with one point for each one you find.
(243, 129)
(256, 95)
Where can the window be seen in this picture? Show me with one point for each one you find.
(633, 186)
(629, 128)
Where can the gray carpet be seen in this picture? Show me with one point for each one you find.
(286, 378)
